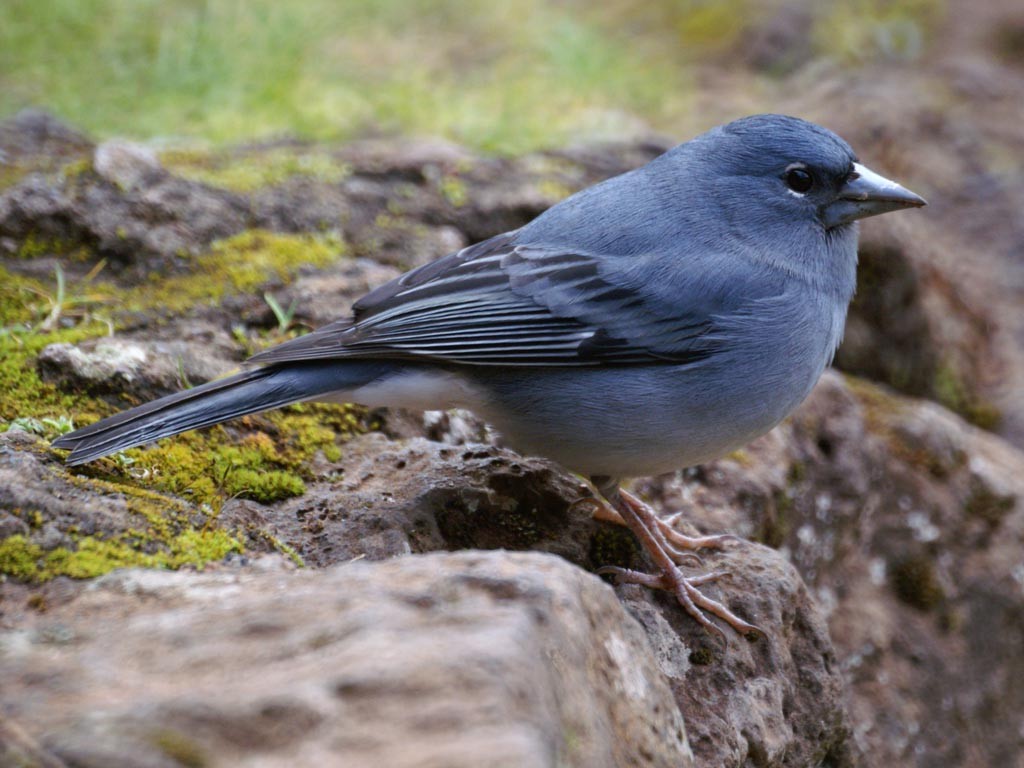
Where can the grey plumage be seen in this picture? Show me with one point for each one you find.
(650, 322)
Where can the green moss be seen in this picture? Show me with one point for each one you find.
(23, 307)
(26, 395)
(914, 581)
(953, 391)
(264, 486)
(453, 189)
(239, 264)
(241, 172)
(180, 748)
(18, 299)
(236, 265)
(285, 549)
(19, 557)
(986, 504)
(93, 557)
(269, 462)
(778, 521)
(165, 540)
(198, 547)
(613, 545)
(265, 457)
(33, 246)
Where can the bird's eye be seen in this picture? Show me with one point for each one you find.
(799, 180)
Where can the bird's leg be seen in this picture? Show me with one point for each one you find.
(670, 539)
(643, 522)
(603, 511)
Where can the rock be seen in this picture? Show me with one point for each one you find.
(143, 369)
(778, 697)
(780, 43)
(907, 525)
(389, 499)
(322, 298)
(39, 136)
(776, 700)
(411, 159)
(492, 659)
(149, 224)
(913, 326)
(300, 205)
(126, 164)
(77, 525)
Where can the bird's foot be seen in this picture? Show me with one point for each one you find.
(661, 540)
(693, 601)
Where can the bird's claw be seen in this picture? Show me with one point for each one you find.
(601, 510)
(629, 576)
(681, 540)
(686, 591)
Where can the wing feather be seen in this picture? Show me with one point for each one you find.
(502, 303)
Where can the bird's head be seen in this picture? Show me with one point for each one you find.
(779, 169)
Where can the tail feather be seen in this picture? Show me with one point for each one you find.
(260, 389)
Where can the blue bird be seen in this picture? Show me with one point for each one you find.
(651, 322)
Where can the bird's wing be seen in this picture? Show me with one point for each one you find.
(499, 303)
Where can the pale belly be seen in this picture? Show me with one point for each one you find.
(628, 422)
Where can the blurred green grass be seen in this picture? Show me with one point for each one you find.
(504, 77)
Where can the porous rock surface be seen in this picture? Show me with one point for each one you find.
(777, 700)
(468, 659)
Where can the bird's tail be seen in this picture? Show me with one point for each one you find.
(248, 392)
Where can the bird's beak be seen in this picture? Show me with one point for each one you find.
(866, 193)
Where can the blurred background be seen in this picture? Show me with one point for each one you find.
(504, 77)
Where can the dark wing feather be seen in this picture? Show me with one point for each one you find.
(497, 303)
